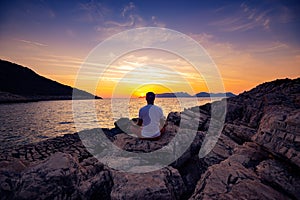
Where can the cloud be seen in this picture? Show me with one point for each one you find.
(127, 9)
(156, 66)
(157, 23)
(57, 60)
(32, 43)
(125, 67)
(127, 18)
(257, 17)
(268, 47)
(243, 67)
(93, 11)
(202, 37)
(245, 17)
(128, 23)
(107, 20)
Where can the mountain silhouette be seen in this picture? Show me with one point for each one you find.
(200, 94)
(18, 83)
(205, 94)
(173, 95)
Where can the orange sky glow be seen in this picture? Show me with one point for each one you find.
(249, 43)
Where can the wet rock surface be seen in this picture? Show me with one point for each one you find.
(256, 156)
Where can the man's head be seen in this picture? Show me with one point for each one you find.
(150, 97)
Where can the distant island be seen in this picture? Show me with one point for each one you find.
(173, 95)
(201, 94)
(205, 94)
(21, 84)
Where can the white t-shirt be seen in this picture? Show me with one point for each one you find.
(151, 116)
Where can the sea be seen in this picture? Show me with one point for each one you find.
(23, 123)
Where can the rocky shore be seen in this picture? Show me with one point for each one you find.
(257, 156)
(6, 97)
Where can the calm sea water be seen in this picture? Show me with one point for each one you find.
(25, 123)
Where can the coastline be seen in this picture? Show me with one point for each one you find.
(256, 156)
(8, 98)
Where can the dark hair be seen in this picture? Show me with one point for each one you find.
(150, 96)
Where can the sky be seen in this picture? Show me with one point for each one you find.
(250, 42)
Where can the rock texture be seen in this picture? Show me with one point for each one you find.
(257, 156)
(260, 157)
(163, 184)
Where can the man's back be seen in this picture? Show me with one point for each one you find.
(151, 116)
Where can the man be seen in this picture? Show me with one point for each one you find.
(151, 119)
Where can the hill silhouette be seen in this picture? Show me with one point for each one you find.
(21, 84)
(205, 94)
(200, 94)
(173, 95)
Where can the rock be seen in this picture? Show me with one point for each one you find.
(14, 165)
(174, 117)
(231, 180)
(249, 155)
(263, 127)
(279, 131)
(134, 144)
(163, 184)
(221, 151)
(132, 152)
(255, 157)
(239, 133)
(63, 177)
(191, 172)
(121, 126)
(281, 176)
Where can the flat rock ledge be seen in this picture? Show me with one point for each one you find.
(256, 156)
